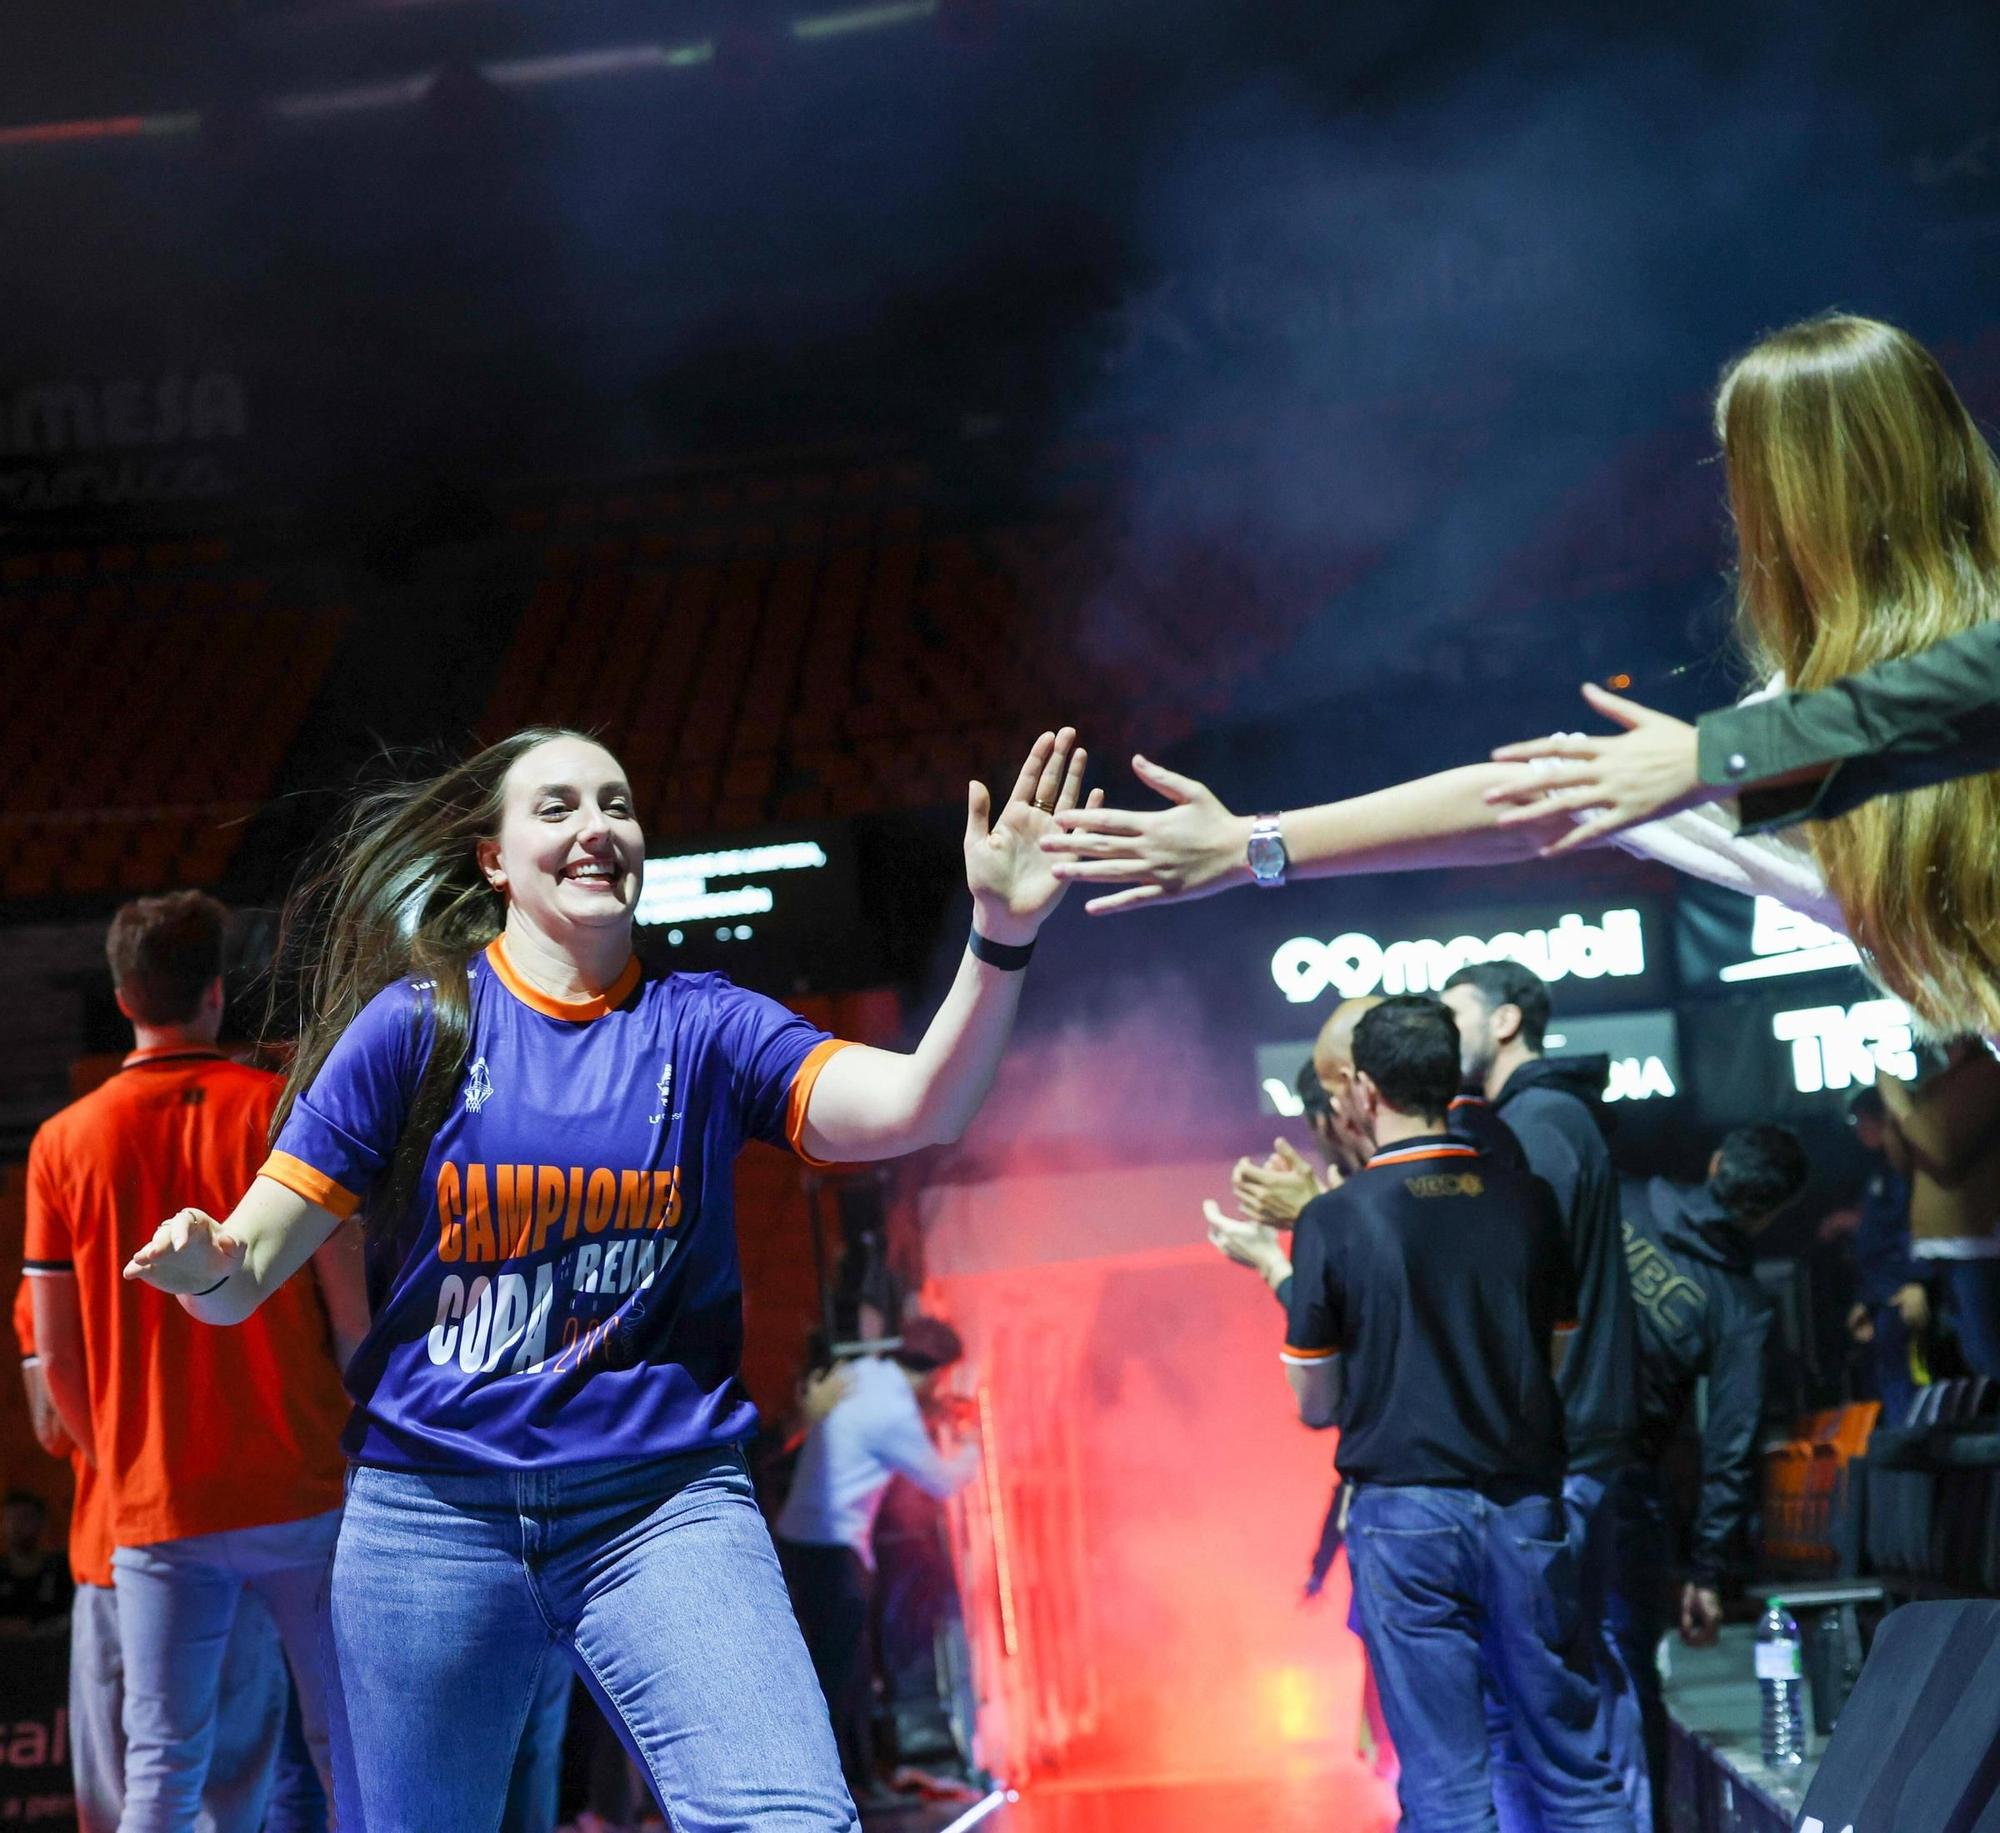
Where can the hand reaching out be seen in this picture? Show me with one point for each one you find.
(1701, 1616)
(1014, 886)
(189, 1252)
(1652, 769)
(1193, 848)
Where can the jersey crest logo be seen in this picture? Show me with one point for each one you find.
(478, 1086)
(666, 1093)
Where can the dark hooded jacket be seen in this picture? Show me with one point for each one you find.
(1701, 1312)
(1554, 1107)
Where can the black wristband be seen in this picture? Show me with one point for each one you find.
(1008, 957)
(217, 1287)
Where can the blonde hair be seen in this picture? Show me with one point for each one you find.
(1867, 511)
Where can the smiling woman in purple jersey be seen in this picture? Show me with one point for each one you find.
(541, 1139)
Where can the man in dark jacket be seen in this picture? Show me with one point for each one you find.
(1702, 1314)
(1553, 1107)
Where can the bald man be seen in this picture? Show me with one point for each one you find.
(1273, 1190)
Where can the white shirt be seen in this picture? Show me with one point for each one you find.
(874, 1434)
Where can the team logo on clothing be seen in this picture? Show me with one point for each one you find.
(1445, 1184)
(478, 1086)
(666, 1093)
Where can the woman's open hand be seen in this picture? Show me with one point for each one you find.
(1192, 848)
(1013, 882)
(1609, 784)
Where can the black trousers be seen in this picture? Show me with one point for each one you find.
(832, 1592)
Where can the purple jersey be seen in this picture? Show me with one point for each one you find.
(565, 1285)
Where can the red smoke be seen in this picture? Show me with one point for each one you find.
(1135, 1555)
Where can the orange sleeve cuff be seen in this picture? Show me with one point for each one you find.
(1307, 1355)
(817, 1058)
(315, 1186)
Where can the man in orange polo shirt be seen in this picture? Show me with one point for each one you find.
(219, 1448)
(253, 1669)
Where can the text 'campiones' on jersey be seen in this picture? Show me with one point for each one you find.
(1440, 1277)
(564, 1285)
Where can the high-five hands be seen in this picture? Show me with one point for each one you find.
(1652, 769)
(1014, 884)
(1192, 848)
(189, 1252)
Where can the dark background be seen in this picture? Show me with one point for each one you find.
(1320, 392)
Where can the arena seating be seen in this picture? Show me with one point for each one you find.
(818, 645)
(150, 788)
(1931, 1491)
(1806, 1488)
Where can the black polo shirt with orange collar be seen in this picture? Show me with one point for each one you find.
(1439, 1275)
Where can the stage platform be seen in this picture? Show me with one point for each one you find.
(1718, 1782)
(1343, 1799)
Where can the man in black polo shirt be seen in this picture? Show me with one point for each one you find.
(1431, 1297)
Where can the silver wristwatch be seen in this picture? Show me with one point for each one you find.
(1269, 861)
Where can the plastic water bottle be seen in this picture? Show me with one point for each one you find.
(1781, 1681)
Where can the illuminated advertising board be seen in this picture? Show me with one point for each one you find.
(1563, 946)
(778, 911)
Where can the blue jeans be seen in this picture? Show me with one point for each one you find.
(96, 1709)
(1973, 1290)
(1624, 1547)
(181, 1605)
(454, 1592)
(298, 1798)
(1458, 1592)
(534, 1788)
(1894, 1385)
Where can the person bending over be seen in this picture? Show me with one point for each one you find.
(1702, 1316)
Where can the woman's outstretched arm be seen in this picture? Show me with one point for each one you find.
(1196, 847)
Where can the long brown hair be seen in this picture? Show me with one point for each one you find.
(1867, 511)
(398, 892)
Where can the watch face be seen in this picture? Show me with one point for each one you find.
(1267, 856)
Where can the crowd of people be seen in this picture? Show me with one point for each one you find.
(421, 1404)
(1509, 1337)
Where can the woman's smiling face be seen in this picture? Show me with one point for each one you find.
(570, 853)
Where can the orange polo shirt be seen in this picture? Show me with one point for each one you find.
(198, 1428)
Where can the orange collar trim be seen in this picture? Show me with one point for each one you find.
(576, 1011)
(1420, 1148)
(167, 1053)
